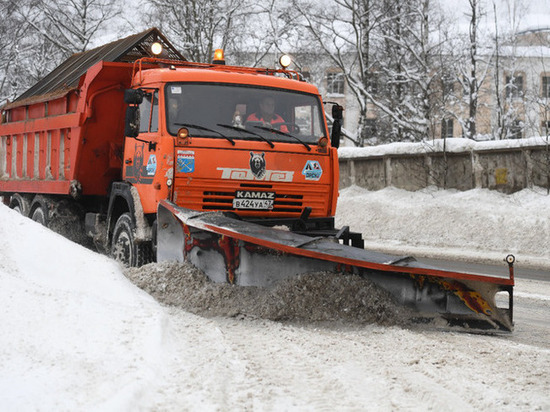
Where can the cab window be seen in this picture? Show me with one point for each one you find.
(148, 111)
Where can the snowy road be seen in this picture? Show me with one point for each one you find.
(251, 362)
(256, 364)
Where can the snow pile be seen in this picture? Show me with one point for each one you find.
(69, 320)
(475, 225)
(314, 297)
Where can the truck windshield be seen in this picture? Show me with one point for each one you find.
(244, 112)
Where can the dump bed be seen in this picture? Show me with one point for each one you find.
(66, 141)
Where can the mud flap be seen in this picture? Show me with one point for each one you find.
(248, 254)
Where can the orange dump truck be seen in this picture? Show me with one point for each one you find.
(97, 157)
(229, 168)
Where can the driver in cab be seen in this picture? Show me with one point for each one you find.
(267, 115)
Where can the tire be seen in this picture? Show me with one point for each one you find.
(20, 204)
(124, 248)
(40, 210)
(40, 215)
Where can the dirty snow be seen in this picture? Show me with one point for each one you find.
(79, 335)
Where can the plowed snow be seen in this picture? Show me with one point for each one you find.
(313, 297)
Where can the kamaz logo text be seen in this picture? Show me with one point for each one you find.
(242, 194)
(246, 174)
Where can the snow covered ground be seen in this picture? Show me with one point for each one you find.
(78, 335)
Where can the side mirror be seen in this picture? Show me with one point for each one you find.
(133, 96)
(336, 125)
(131, 127)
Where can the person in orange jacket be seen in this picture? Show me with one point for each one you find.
(267, 115)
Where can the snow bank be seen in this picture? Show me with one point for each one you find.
(475, 225)
(74, 328)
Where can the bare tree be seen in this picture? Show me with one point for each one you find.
(410, 61)
(10, 38)
(385, 51)
(270, 28)
(22, 50)
(474, 66)
(499, 129)
(38, 35)
(71, 25)
(471, 82)
(344, 31)
(470, 65)
(198, 27)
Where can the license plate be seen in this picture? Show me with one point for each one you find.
(252, 204)
(245, 199)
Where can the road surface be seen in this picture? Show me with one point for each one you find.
(520, 272)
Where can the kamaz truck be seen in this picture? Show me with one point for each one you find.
(234, 169)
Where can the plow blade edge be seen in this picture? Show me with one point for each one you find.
(248, 254)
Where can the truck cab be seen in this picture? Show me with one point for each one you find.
(198, 135)
(203, 144)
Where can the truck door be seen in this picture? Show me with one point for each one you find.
(140, 153)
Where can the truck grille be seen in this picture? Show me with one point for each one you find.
(289, 200)
(286, 203)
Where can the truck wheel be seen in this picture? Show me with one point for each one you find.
(40, 215)
(20, 204)
(39, 211)
(123, 246)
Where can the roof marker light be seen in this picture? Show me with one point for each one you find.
(285, 61)
(156, 48)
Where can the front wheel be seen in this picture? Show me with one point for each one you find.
(124, 248)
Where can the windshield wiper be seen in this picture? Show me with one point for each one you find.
(206, 129)
(269, 129)
(238, 129)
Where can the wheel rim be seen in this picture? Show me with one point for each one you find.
(122, 248)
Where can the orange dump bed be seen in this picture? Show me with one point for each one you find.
(73, 135)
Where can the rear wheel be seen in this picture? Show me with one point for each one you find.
(20, 204)
(40, 215)
(124, 248)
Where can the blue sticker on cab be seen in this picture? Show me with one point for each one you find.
(312, 170)
(185, 162)
(151, 167)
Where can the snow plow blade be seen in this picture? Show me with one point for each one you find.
(248, 254)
